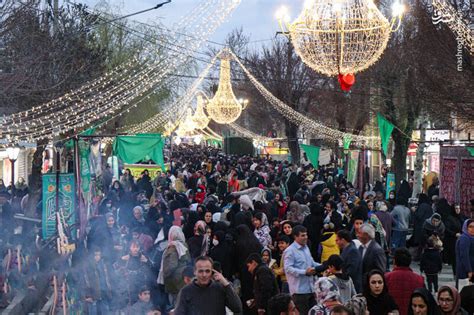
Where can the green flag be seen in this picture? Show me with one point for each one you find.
(312, 153)
(132, 149)
(347, 141)
(386, 129)
(84, 151)
(471, 150)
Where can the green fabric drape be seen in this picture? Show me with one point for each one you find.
(386, 129)
(347, 141)
(84, 151)
(88, 132)
(471, 150)
(312, 152)
(133, 149)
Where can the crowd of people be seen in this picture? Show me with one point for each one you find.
(223, 234)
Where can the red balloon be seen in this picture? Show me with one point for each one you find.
(346, 81)
(349, 78)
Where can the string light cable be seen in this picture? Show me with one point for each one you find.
(110, 107)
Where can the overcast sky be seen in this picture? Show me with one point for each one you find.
(257, 17)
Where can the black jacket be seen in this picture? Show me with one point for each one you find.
(352, 265)
(374, 258)
(264, 286)
(431, 262)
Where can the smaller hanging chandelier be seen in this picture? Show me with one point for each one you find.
(200, 118)
(340, 37)
(224, 108)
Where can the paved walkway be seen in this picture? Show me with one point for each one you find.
(444, 278)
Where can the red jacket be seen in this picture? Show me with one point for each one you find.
(400, 283)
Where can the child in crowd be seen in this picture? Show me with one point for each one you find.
(431, 264)
(279, 270)
(340, 279)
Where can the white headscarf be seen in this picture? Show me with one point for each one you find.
(175, 238)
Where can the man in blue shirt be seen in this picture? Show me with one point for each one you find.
(300, 269)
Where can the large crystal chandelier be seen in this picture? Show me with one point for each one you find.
(224, 108)
(200, 118)
(340, 37)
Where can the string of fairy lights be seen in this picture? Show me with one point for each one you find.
(444, 12)
(186, 125)
(176, 110)
(311, 126)
(118, 88)
(252, 135)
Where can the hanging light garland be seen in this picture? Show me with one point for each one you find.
(200, 118)
(252, 135)
(444, 12)
(224, 107)
(311, 126)
(177, 109)
(340, 37)
(107, 95)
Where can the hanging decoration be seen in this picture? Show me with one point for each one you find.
(224, 107)
(386, 129)
(313, 127)
(340, 37)
(131, 83)
(200, 118)
(312, 152)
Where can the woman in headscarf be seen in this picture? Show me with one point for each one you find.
(127, 181)
(379, 301)
(175, 258)
(21, 188)
(262, 230)
(422, 213)
(221, 251)
(449, 301)
(453, 222)
(327, 297)
(199, 244)
(294, 213)
(314, 224)
(138, 219)
(268, 259)
(465, 254)
(433, 226)
(423, 303)
(286, 228)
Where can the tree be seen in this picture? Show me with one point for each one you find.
(417, 75)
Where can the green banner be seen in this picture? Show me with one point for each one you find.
(67, 201)
(352, 166)
(386, 129)
(133, 149)
(84, 151)
(347, 141)
(471, 150)
(312, 152)
(390, 184)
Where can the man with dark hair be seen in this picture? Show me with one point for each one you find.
(143, 305)
(264, 282)
(340, 279)
(281, 304)
(209, 293)
(352, 261)
(402, 280)
(299, 269)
